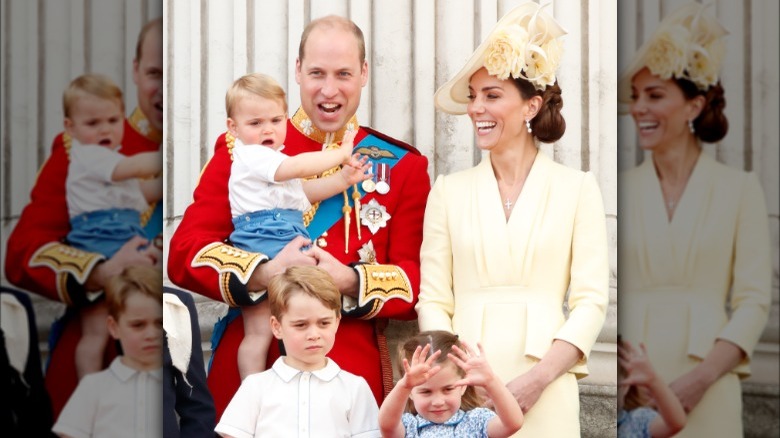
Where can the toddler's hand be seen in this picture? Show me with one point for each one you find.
(347, 144)
(421, 369)
(356, 170)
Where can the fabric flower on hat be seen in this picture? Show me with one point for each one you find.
(541, 63)
(667, 56)
(504, 56)
(703, 64)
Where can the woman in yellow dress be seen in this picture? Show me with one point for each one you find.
(505, 240)
(693, 233)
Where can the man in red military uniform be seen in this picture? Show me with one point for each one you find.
(368, 238)
(41, 261)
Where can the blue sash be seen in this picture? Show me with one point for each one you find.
(330, 209)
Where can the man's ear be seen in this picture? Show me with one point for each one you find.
(298, 71)
(276, 327)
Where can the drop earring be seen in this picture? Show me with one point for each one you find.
(690, 127)
(528, 125)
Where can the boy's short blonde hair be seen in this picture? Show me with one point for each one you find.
(257, 84)
(93, 84)
(310, 280)
(134, 279)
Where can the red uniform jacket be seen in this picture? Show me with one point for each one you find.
(199, 259)
(38, 261)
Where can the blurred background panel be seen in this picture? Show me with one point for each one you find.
(45, 44)
(751, 79)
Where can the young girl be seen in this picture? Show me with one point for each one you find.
(635, 418)
(437, 390)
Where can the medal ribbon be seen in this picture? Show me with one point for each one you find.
(330, 210)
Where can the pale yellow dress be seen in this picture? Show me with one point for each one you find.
(675, 278)
(504, 282)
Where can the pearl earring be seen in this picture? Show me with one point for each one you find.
(690, 127)
(528, 125)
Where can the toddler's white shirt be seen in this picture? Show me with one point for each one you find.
(252, 186)
(89, 186)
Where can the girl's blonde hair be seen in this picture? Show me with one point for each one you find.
(438, 340)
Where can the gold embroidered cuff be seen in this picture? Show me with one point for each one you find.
(379, 284)
(62, 258)
(228, 259)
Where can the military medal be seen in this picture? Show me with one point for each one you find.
(374, 216)
(383, 178)
(369, 185)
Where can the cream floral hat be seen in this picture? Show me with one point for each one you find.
(688, 44)
(523, 44)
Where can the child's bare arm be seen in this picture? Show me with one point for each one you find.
(313, 163)
(352, 173)
(509, 415)
(141, 165)
(672, 417)
(417, 373)
(152, 189)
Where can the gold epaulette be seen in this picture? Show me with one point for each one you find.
(228, 259)
(64, 259)
(382, 283)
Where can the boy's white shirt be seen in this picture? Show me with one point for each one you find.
(89, 186)
(117, 402)
(252, 186)
(284, 401)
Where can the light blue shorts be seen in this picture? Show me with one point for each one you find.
(105, 231)
(267, 231)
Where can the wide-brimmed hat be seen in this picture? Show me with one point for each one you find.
(523, 44)
(688, 44)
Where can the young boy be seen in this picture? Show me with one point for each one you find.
(267, 197)
(105, 197)
(305, 393)
(124, 400)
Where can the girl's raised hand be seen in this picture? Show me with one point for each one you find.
(421, 369)
(474, 363)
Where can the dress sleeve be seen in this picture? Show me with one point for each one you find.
(589, 288)
(752, 273)
(437, 302)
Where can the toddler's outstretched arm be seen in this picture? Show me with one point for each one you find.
(140, 165)
(509, 416)
(415, 374)
(672, 417)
